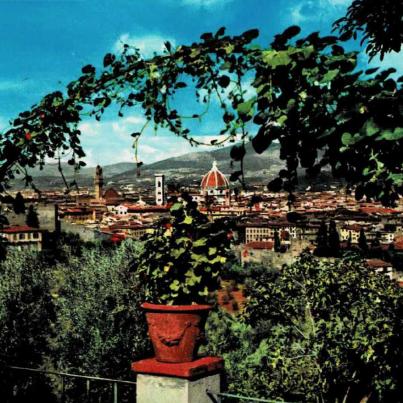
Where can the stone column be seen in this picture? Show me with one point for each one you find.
(159, 382)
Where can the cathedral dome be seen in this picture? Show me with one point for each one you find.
(214, 179)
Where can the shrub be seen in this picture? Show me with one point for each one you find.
(79, 315)
(315, 331)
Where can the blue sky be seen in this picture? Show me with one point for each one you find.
(44, 44)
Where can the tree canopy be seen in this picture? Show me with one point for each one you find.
(303, 92)
(315, 331)
(380, 21)
(76, 311)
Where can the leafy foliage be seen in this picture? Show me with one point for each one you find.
(380, 22)
(183, 257)
(79, 315)
(305, 93)
(315, 331)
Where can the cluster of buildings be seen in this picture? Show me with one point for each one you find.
(268, 228)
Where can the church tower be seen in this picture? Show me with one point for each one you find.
(98, 182)
(160, 189)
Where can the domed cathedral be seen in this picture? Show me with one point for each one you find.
(215, 187)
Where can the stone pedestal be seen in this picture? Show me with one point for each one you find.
(180, 383)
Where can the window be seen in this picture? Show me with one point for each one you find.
(21, 236)
(35, 235)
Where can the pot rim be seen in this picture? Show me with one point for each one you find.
(175, 308)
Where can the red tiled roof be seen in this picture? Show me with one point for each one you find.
(116, 238)
(214, 179)
(19, 228)
(377, 210)
(374, 263)
(111, 193)
(260, 245)
(76, 210)
(127, 226)
(149, 208)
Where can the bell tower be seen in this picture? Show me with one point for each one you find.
(160, 189)
(98, 182)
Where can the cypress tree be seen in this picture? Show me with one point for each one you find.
(322, 246)
(334, 239)
(32, 217)
(362, 241)
(19, 204)
(277, 242)
(376, 243)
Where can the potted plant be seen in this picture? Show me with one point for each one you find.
(180, 267)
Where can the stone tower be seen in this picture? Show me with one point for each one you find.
(98, 182)
(160, 189)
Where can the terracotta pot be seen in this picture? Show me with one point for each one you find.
(176, 330)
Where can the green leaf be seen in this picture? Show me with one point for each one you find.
(276, 58)
(251, 34)
(397, 179)
(262, 140)
(330, 75)
(396, 134)
(176, 253)
(212, 250)
(180, 84)
(188, 220)
(245, 107)
(176, 207)
(175, 285)
(348, 139)
(282, 119)
(223, 81)
(237, 152)
(229, 48)
(200, 242)
(370, 128)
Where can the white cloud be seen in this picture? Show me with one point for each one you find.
(310, 10)
(89, 158)
(89, 128)
(121, 127)
(109, 142)
(147, 44)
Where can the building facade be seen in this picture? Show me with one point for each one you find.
(23, 237)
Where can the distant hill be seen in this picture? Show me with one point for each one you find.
(191, 166)
(52, 169)
(184, 169)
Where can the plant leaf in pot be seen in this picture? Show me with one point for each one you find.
(180, 267)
